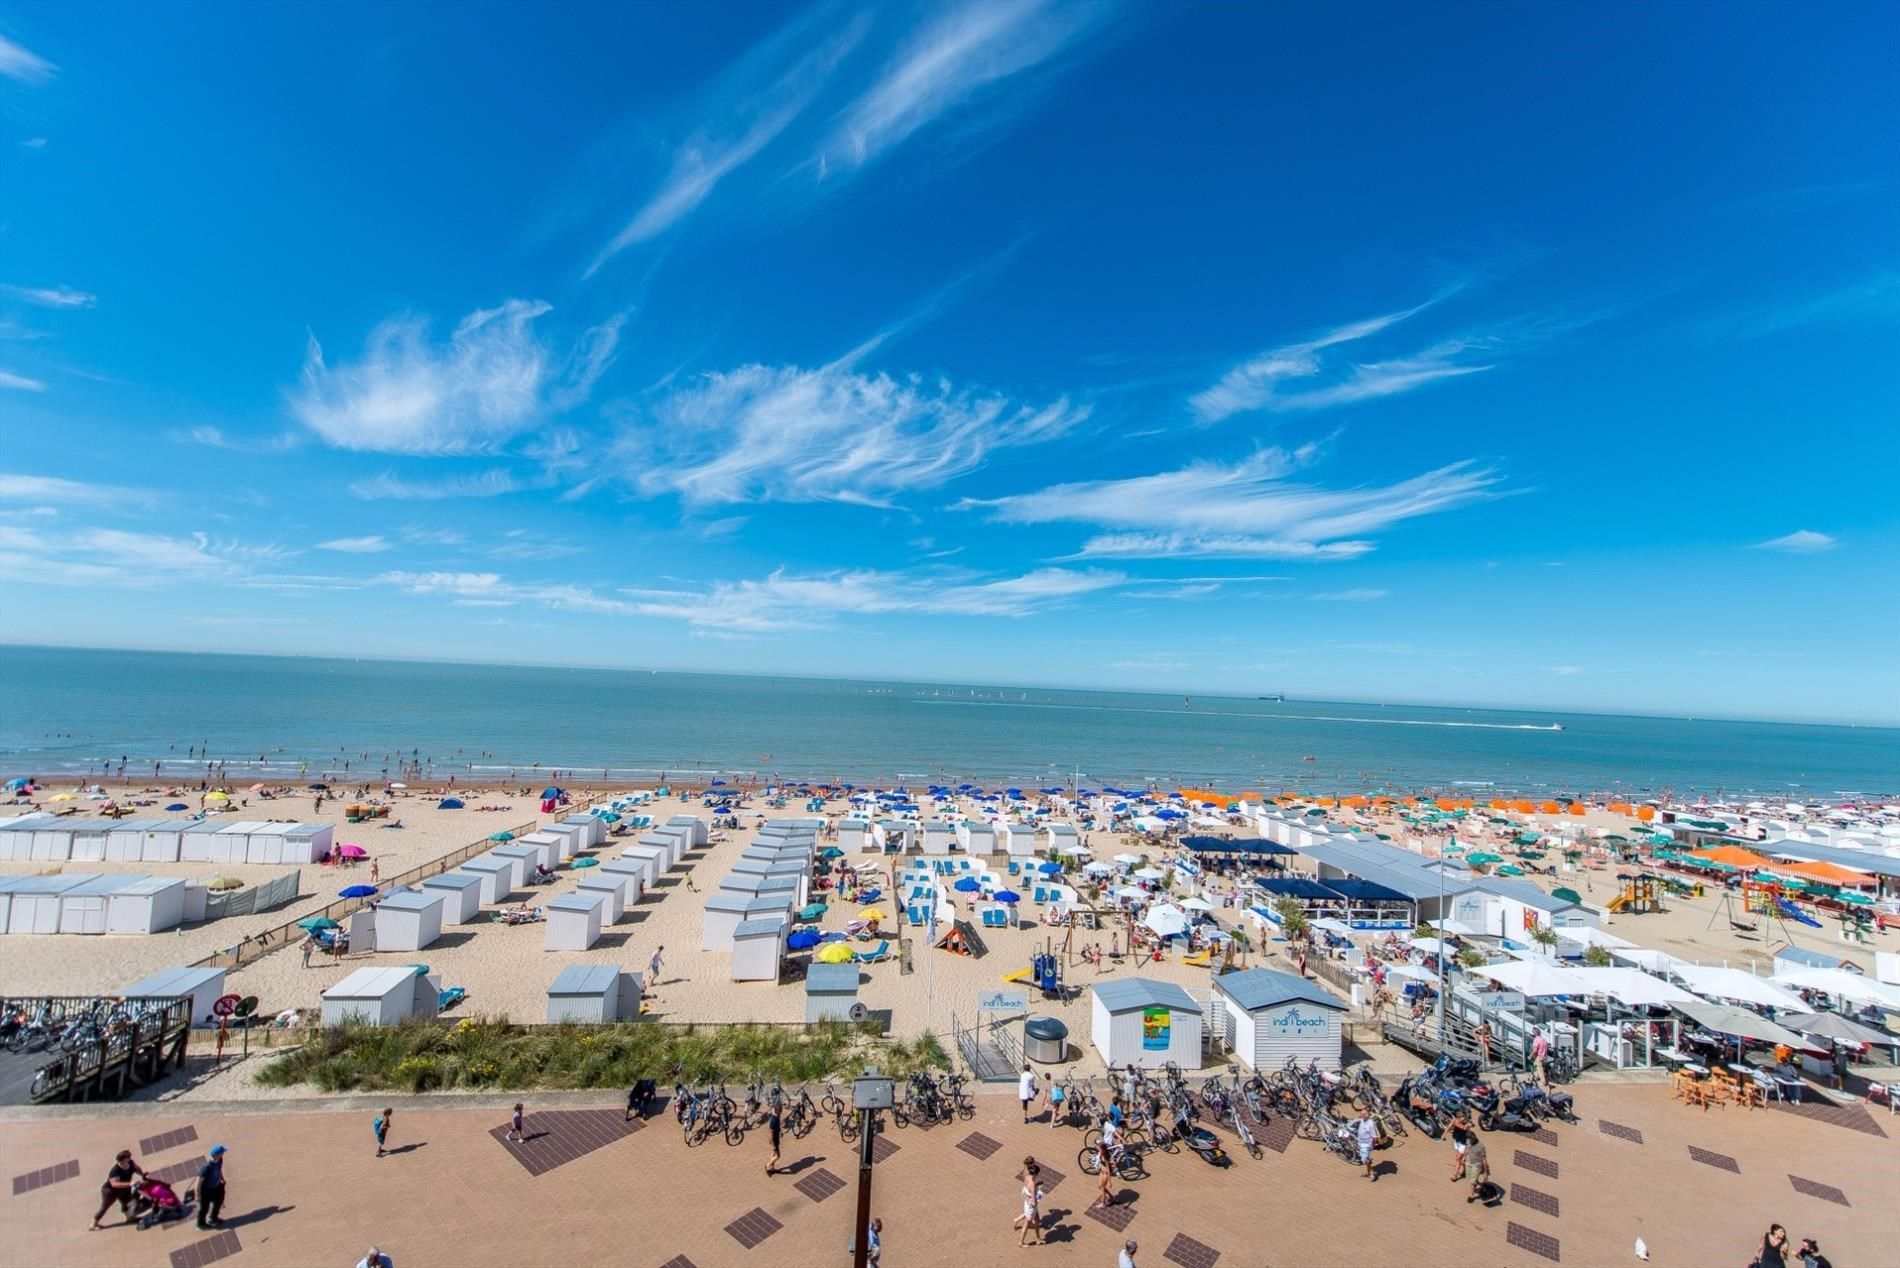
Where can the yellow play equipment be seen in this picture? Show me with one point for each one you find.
(1020, 975)
(1638, 897)
(1198, 958)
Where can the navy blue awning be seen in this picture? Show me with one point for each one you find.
(1240, 845)
(1366, 891)
(1296, 887)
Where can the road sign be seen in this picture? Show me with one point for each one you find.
(226, 1005)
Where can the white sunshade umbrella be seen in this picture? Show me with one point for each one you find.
(1739, 1022)
(1632, 988)
(1129, 891)
(1097, 869)
(1429, 945)
(1148, 874)
(1166, 921)
(1129, 859)
(1849, 986)
(1533, 977)
(1738, 984)
(1198, 904)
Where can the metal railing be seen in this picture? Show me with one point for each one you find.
(129, 1051)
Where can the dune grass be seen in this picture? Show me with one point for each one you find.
(493, 1053)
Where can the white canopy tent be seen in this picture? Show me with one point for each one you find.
(1849, 986)
(1167, 922)
(1533, 977)
(1631, 988)
(1737, 984)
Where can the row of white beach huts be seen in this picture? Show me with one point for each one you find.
(45, 838)
(938, 836)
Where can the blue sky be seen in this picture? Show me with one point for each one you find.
(1527, 355)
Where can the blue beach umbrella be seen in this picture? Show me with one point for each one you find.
(550, 793)
(585, 861)
(178, 805)
(1050, 869)
(967, 885)
(449, 803)
(501, 836)
(356, 891)
(1052, 792)
(1014, 792)
(1007, 896)
(803, 940)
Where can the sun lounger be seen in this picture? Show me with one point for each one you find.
(882, 951)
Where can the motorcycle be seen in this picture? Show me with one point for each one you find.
(1513, 1115)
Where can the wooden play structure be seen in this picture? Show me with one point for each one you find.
(1639, 896)
(961, 939)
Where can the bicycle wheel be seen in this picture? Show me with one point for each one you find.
(900, 1116)
(831, 1105)
(1087, 1160)
(1166, 1143)
(696, 1133)
(966, 1106)
(802, 1125)
(1309, 1129)
(847, 1128)
(41, 1078)
(1128, 1165)
(735, 1131)
(1091, 1137)
(1134, 1139)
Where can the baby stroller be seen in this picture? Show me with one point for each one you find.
(156, 1203)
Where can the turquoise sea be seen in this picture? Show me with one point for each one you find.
(69, 711)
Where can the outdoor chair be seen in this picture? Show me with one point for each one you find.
(882, 951)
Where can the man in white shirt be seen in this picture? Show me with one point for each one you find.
(1026, 1089)
(375, 1259)
(1126, 1259)
(1368, 1136)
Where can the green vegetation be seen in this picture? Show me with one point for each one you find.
(1544, 936)
(1471, 958)
(1293, 921)
(480, 1052)
(1596, 957)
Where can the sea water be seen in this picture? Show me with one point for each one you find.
(66, 711)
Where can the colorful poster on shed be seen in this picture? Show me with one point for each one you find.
(1157, 1026)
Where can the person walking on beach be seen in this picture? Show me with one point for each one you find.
(1104, 1175)
(308, 947)
(1478, 1167)
(375, 872)
(381, 1128)
(517, 1126)
(774, 1129)
(1026, 1090)
(1366, 1135)
(654, 965)
(1033, 1194)
(118, 1188)
(211, 1188)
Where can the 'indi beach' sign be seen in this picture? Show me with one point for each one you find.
(1294, 1022)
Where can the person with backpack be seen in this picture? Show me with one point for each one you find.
(381, 1128)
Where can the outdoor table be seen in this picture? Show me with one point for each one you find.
(1699, 1071)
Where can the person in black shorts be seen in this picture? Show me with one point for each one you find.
(118, 1187)
(774, 1129)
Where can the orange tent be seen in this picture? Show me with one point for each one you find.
(1577, 808)
(1645, 813)
(1829, 872)
(1621, 808)
(1733, 855)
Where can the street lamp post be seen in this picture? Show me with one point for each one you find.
(1440, 1002)
(869, 1094)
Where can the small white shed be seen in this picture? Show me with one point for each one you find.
(854, 835)
(382, 996)
(125, 839)
(758, 948)
(461, 895)
(1018, 839)
(594, 994)
(697, 831)
(36, 901)
(1270, 1016)
(976, 838)
(88, 844)
(195, 844)
(1060, 838)
(526, 857)
(831, 992)
(573, 922)
(939, 837)
(204, 987)
(408, 920)
(656, 859)
(550, 848)
(672, 844)
(306, 843)
(82, 909)
(593, 830)
(16, 834)
(499, 877)
(1146, 1023)
(163, 841)
(612, 888)
(635, 872)
(150, 904)
(894, 836)
(726, 911)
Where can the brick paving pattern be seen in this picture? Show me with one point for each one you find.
(186, 1170)
(1535, 1199)
(44, 1176)
(1117, 1217)
(1531, 1162)
(883, 1147)
(679, 1261)
(168, 1140)
(819, 1185)
(1545, 1136)
(1530, 1239)
(1815, 1189)
(1619, 1131)
(1708, 1157)
(1852, 1117)
(1187, 1252)
(1051, 1177)
(558, 1137)
(208, 1251)
(979, 1146)
(753, 1227)
(1277, 1134)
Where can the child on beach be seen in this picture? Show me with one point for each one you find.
(381, 1128)
(517, 1125)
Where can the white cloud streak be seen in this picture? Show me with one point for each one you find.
(390, 487)
(1875, 298)
(374, 544)
(1247, 509)
(1360, 595)
(494, 379)
(53, 490)
(788, 434)
(1800, 542)
(50, 296)
(20, 382)
(22, 64)
(965, 50)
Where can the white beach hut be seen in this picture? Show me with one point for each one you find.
(831, 992)
(52, 842)
(82, 909)
(978, 839)
(894, 836)
(1269, 1016)
(162, 841)
(726, 911)
(1146, 1023)
(382, 996)
(203, 987)
(573, 922)
(1060, 838)
(35, 905)
(594, 994)
(593, 829)
(409, 921)
(16, 834)
(697, 831)
(673, 843)
(461, 895)
(635, 870)
(550, 848)
(194, 844)
(528, 856)
(939, 837)
(150, 904)
(125, 839)
(612, 888)
(658, 860)
(499, 877)
(758, 948)
(88, 843)
(854, 835)
(232, 843)
(1017, 839)
(306, 843)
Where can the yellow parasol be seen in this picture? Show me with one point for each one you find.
(64, 797)
(218, 796)
(224, 882)
(873, 913)
(833, 953)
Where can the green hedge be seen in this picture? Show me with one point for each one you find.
(480, 1052)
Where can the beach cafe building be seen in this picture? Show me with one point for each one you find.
(1271, 1016)
(1428, 885)
(1146, 1023)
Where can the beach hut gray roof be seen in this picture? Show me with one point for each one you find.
(1062, 829)
(409, 900)
(1263, 988)
(1395, 869)
(1523, 892)
(1143, 992)
(576, 902)
(586, 979)
(758, 928)
(173, 982)
(727, 900)
(831, 979)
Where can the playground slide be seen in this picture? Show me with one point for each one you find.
(1793, 912)
(1199, 958)
(1618, 903)
(1020, 975)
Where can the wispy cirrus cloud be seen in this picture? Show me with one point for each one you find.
(1244, 510)
(110, 556)
(49, 296)
(493, 379)
(1358, 595)
(390, 487)
(56, 491)
(374, 544)
(963, 52)
(781, 600)
(1308, 374)
(834, 433)
(742, 119)
(1876, 298)
(22, 64)
(1803, 541)
(20, 382)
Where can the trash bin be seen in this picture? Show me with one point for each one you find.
(1045, 1039)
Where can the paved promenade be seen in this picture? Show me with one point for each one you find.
(307, 1191)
